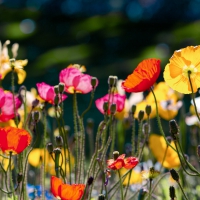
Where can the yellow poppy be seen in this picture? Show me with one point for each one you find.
(158, 147)
(5, 64)
(182, 63)
(4, 161)
(134, 179)
(36, 158)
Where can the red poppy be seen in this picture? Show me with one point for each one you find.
(121, 161)
(14, 140)
(143, 77)
(130, 162)
(116, 164)
(66, 191)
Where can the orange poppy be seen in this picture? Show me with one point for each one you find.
(116, 164)
(143, 77)
(121, 161)
(66, 191)
(130, 162)
(14, 140)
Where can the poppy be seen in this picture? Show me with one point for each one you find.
(182, 63)
(143, 77)
(14, 140)
(121, 161)
(75, 80)
(5, 65)
(66, 191)
(158, 146)
(117, 99)
(47, 93)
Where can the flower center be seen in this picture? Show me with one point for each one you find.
(189, 70)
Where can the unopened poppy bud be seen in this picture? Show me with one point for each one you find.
(115, 82)
(113, 108)
(174, 175)
(133, 109)
(90, 126)
(50, 148)
(36, 116)
(115, 155)
(148, 110)
(56, 100)
(61, 87)
(169, 139)
(19, 177)
(35, 103)
(172, 192)
(93, 81)
(56, 89)
(140, 115)
(111, 81)
(174, 130)
(101, 197)
(59, 141)
(198, 150)
(90, 180)
(105, 107)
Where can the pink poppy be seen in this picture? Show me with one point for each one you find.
(75, 80)
(47, 93)
(117, 99)
(7, 106)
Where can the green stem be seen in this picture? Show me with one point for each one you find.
(139, 138)
(182, 190)
(11, 180)
(133, 136)
(150, 183)
(121, 185)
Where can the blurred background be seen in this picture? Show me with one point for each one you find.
(109, 37)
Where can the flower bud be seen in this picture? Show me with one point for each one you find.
(56, 100)
(19, 177)
(36, 116)
(90, 180)
(140, 115)
(50, 148)
(111, 81)
(169, 139)
(148, 110)
(59, 141)
(61, 87)
(115, 155)
(174, 175)
(172, 192)
(35, 103)
(174, 130)
(105, 107)
(56, 89)
(113, 108)
(94, 82)
(133, 109)
(101, 197)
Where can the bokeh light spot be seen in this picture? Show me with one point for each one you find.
(134, 11)
(27, 26)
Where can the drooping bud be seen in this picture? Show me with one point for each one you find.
(174, 174)
(50, 147)
(148, 110)
(140, 115)
(111, 81)
(61, 87)
(133, 109)
(172, 193)
(35, 103)
(174, 130)
(113, 108)
(56, 89)
(90, 180)
(59, 141)
(115, 155)
(105, 107)
(93, 82)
